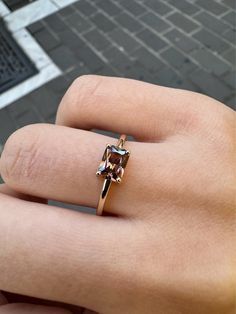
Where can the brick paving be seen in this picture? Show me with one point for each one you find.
(187, 44)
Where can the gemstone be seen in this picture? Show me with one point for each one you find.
(113, 163)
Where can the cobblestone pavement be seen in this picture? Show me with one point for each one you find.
(186, 44)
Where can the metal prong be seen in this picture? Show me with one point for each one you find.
(98, 173)
(108, 145)
(118, 180)
(128, 152)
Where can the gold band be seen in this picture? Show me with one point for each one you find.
(112, 168)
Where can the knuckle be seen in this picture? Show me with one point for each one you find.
(81, 95)
(19, 156)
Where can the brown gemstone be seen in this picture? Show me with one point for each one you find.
(114, 162)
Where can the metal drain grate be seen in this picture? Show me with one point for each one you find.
(17, 4)
(15, 66)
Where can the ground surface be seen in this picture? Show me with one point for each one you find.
(186, 44)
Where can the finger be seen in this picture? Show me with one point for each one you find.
(4, 189)
(62, 255)
(60, 163)
(18, 308)
(146, 111)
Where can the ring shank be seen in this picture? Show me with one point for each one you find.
(107, 182)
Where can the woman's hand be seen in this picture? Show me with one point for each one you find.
(169, 246)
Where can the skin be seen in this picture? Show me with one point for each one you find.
(167, 243)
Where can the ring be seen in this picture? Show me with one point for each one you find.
(114, 161)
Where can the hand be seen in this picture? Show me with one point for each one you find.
(169, 246)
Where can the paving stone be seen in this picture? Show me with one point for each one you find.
(117, 59)
(55, 22)
(46, 39)
(45, 101)
(230, 79)
(182, 41)
(211, 22)
(230, 35)
(124, 40)
(59, 85)
(97, 39)
(103, 23)
(90, 59)
(35, 27)
(151, 39)
(183, 22)
(148, 60)
(211, 41)
(210, 62)
(109, 7)
(128, 22)
(19, 107)
(78, 22)
(230, 56)
(155, 22)
(210, 85)
(7, 125)
(77, 71)
(232, 102)
(68, 10)
(185, 6)
(212, 6)
(138, 72)
(168, 77)
(133, 7)
(29, 117)
(178, 60)
(230, 3)
(107, 71)
(230, 18)
(63, 57)
(85, 7)
(70, 39)
(158, 6)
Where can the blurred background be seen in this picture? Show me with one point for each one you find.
(46, 44)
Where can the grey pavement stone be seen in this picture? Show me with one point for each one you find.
(212, 6)
(211, 62)
(63, 57)
(148, 60)
(90, 59)
(97, 39)
(109, 7)
(129, 22)
(210, 85)
(211, 41)
(230, 79)
(230, 3)
(46, 39)
(158, 6)
(117, 59)
(230, 35)
(133, 7)
(230, 18)
(213, 23)
(55, 22)
(182, 41)
(85, 7)
(185, 6)
(8, 125)
(35, 27)
(232, 102)
(78, 22)
(124, 40)
(183, 22)
(103, 23)
(151, 39)
(156, 23)
(178, 60)
(67, 11)
(230, 56)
